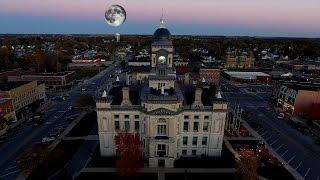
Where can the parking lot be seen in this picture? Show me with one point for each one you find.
(298, 150)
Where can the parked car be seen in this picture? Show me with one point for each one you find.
(47, 140)
(54, 134)
(280, 116)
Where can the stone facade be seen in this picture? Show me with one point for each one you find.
(168, 126)
(23, 93)
(236, 60)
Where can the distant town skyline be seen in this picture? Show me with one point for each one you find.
(270, 18)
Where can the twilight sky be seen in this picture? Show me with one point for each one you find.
(292, 18)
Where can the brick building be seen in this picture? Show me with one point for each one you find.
(209, 75)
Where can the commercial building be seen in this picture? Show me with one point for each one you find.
(7, 109)
(24, 94)
(209, 75)
(173, 121)
(240, 76)
(298, 99)
(53, 81)
(239, 60)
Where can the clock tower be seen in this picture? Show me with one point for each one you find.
(162, 50)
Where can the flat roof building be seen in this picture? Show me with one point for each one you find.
(23, 93)
(300, 99)
(55, 81)
(247, 76)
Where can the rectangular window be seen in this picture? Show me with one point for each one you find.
(126, 116)
(204, 140)
(195, 126)
(196, 117)
(136, 116)
(184, 152)
(185, 126)
(186, 117)
(127, 125)
(194, 152)
(162, 129)
(116, 116)
(161, 151)
(206, 117)
(185, 140)
(117, 125)
(195, 141)
(137, 125)
(205, 126)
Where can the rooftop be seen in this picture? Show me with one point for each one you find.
(138, 93)
(296, 85)
(245, 75)
(12, 85)
(51, 74)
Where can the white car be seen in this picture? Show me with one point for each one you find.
(48, 139)
(280, 116)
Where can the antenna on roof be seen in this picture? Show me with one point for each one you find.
(162, 21)
(162, 13)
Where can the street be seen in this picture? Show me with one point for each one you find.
(54, 117)
(299, 151)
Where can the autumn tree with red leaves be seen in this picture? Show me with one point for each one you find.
(247, 165)
(129, 153)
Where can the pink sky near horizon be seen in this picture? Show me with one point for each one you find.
(298, 14)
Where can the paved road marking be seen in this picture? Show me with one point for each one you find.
(299, 165)
(264, 133)
(284, 153)
(274, 142)
(305, 175)
(11, 168)
(291, 159)
(268, 138)
(279, 147)
(4, 175)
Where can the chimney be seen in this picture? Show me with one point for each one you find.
(125, 97)
(197, 99)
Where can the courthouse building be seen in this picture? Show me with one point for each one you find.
(172, 120)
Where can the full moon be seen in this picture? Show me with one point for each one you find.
(115, 15)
